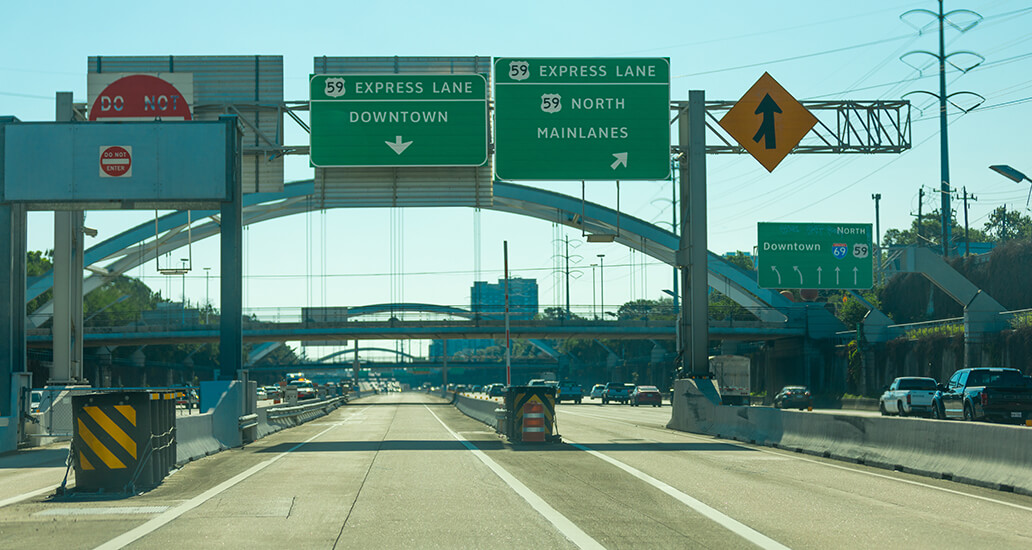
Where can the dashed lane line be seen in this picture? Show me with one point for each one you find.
(561, 522)
(812, 461)
(171, 515)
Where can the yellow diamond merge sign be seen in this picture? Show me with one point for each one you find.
(768, 122)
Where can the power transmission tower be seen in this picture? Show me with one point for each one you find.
(943, 19)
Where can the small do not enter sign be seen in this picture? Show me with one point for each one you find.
(116, 161)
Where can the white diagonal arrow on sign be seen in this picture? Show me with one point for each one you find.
(796, 269)
(621, 158)
(397, 145)
(778, 273)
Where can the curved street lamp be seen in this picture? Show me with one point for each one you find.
(1013, 175)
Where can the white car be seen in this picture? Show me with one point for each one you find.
(596, 391)
(908, 395)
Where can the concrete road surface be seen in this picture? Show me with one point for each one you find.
(409, 471)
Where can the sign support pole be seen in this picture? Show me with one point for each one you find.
(12, 302)
(693, 328)
(68, 266)
(231, 326)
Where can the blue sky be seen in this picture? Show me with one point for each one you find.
(816, 50)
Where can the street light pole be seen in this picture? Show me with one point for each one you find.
(207, 294)
(877, 230)
(602, 284)
(594, 309)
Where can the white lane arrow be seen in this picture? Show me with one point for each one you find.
(818, 276)
(837, 270)
(398, 146)
(796, 269)
(621, 158)
(855, 271)
(778, 273)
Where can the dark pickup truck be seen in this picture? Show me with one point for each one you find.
(999, 394)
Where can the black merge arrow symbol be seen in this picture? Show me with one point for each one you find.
(767, 108)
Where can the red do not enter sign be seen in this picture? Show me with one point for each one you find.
(116, 161)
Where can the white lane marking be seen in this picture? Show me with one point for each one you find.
(103, 511)
(165, 518)
(733, 525)
(795, 456)
(27, 496)
(561, 522)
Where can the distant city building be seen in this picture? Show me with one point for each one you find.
(487, 300)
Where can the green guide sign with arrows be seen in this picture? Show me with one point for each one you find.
(582, 119)
(398, 120)
(815, 255)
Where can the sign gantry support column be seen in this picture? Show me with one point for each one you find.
(68, 266)
(12, 299)
(231, 324)
(693, 326)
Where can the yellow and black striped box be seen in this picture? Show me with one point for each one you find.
(540, 400)
(121, 440)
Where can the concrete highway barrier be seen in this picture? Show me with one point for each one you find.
(478, 409)
(988, 455)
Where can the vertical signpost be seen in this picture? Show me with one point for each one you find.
(582, 119)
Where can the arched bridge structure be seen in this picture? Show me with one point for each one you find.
(148, 240)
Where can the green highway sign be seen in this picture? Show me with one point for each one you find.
(814, 255)
(398, 120)
(582, 119)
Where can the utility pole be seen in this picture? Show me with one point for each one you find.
(967, 241)
(877, 230)
(568, 314)
(920, 218)
(1003, 225)
(602, 284)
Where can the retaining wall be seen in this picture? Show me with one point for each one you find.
(989, 455)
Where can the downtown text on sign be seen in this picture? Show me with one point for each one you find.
(582, 119)
(815, 255)
(398, 120)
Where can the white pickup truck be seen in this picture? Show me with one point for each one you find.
(907, 396)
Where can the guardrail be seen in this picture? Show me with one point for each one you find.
(277, 413)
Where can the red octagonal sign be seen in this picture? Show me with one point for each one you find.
(116, 161)
(140, 96)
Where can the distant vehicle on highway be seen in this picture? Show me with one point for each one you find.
(792, 397)
(616, 391)
(495, 390)
(543, 382)
(305, 388)
(999, 394)
(732, 375)
(908, 395)
(646, 395)
(569, 391)
(596, 391)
